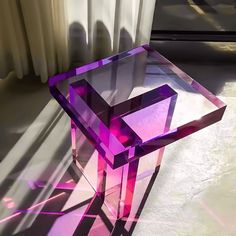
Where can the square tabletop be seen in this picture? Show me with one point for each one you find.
(120, 103)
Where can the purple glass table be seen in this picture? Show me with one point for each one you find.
(129, 106)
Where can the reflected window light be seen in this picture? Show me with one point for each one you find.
(207, 17)
(222, 46)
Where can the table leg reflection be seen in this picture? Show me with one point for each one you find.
(100, 217)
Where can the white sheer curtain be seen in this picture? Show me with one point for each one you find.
(47, 36)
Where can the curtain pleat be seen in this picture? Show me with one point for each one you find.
(61, 34)
(13, 49)
(39, 29)
(47, 36)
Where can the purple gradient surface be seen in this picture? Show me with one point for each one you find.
(116, 126)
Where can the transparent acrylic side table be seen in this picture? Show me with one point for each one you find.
(130, 106)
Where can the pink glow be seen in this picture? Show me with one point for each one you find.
(31, 184)
(10, 205)
(45, 201)
(41, 212)
(212, 213)
(154, 125)
(123, 138)
(8, 202)
(55, 213)
(67, 186)
(81, 90)
(34, 206)
(128, 219)
(7, 199)
(73, 135)
(10, 217)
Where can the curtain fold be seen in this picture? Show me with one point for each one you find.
(48, 36)
(13, 47)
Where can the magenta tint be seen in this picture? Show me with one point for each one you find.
(116, 126)
(123, 82)
(129, 106)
